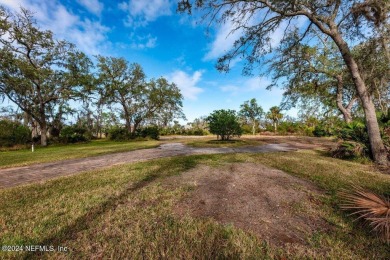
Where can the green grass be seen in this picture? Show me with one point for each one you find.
(62, 152)
(126, 211)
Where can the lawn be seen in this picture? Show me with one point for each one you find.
(62, 152)
(127, 211)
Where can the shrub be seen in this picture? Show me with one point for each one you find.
(320, 131)
(74, 134)
(355, 131)
(196, 131)
(285, 128)
(119, 134)
(350, 150)
(150, 131)
(13, 133)
(224, 123)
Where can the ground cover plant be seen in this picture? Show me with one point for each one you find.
(129, 210)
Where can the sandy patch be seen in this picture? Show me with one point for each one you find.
(273, 205)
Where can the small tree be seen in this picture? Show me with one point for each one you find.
(224, 123)
(275, 115)
(251, 111)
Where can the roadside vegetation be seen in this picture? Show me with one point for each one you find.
(128, 210)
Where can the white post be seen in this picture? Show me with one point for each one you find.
(32, 148)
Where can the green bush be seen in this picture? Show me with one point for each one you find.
(320, 131)
(246, 129)
(355, 131)
(196, 131)
(151, 132)
(74, 134)
(224, 123)
(119, 134)
(13, 133)
(288, 128)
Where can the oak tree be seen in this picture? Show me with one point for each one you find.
(36, 70)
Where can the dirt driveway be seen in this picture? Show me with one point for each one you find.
(40, 172)
(270, 203)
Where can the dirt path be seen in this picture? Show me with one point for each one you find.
(40, 172)
(270, 203)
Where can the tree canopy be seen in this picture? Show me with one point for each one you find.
(275, 115)
(36, 70)
(251, 111)
(344, 21)
(125, 84)
(224, 123)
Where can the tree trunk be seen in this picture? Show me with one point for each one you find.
(128, 123)
(126, 115)
(275, 127)
(43, 127)
(377, 148)
(346, 111)
(254, 128)
(137, 122)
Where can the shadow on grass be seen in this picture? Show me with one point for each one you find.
(166, 168)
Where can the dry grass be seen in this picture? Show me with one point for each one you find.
(371, 207)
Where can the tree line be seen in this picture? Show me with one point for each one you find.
(42, 75)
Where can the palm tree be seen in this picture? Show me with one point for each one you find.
(275, 115)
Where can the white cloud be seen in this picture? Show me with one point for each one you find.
(223, 42)
(249, 85)
(143, 42)
(187, 83)
(229, 88)
(141, 12)
(93, 6)
(257, 83)
(89, 36)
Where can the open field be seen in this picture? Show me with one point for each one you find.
(63, 152)
(143, 210)
(55, 153)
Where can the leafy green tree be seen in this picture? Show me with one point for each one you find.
(125, 84)
(251, 111)
(314, 72)
(275, 115)
(37, 71)
(224, 123)
(375, 68)
(121, 83)
(343, 21)
(161, 101)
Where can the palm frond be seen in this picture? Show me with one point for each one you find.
(371, 207)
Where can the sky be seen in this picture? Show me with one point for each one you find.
(179, 47)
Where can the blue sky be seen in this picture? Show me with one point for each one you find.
(151, 33)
